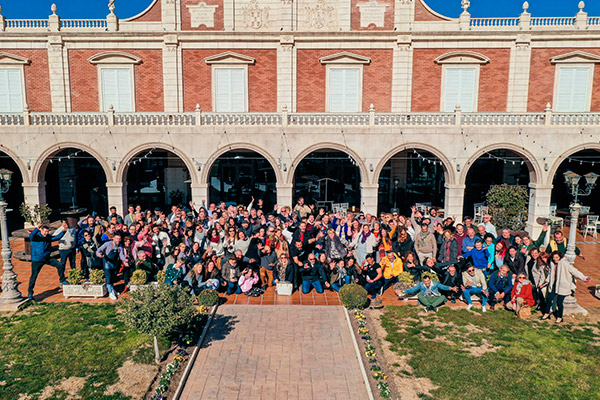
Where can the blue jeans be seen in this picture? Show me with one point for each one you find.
(336, 286)
(233, 287)
(373, 288)
(111, 277)
(347, 280)
(474, 290)
(308, 285)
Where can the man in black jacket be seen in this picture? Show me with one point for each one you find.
(453, 279)
(312, 275)
(515, 261)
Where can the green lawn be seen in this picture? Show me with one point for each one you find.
(44, 344)
(529, 359)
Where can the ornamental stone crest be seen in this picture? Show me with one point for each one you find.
(202, 14)
(320, 15)
(372, 13)
(255, 17)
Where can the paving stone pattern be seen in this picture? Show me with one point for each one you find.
(277, 352)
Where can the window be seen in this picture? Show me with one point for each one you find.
(573, 89)
(230, 90)
(344, 89)
(11, 90)
(117, 89)
(460, 88)
(344, 81)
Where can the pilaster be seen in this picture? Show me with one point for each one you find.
(169, 14)
(116, 193)
(518, 76)
(58, 74)
(454, 201)
(200, 193)
(34, 192)
(171, 74)
(402, 75)
(369, 193)
(285, 194)
(540, 198)
(286, 77)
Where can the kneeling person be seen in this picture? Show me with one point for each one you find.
(429, 293)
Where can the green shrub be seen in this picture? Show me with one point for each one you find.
(432, 275)
(75, 276)
(507, 205)
(97, 276)
(139, 277)
(353, 296)
(208, 297)
(157, 310)
(160, 276)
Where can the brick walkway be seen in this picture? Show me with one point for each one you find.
(277, 352)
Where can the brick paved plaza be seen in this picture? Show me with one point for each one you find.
(277, 352)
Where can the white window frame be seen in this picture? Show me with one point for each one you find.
(359, 67)
(588, 100)
(216, 67)
(445, 68)
(101, 85)
(22, 73)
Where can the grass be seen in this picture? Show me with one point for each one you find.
(532, 361)
(43, 344)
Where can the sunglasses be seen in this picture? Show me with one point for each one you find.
(522, 277)
(471, 270)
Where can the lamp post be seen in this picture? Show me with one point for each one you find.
(10, 299)
(572, 180)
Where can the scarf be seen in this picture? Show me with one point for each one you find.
(447, 250)
(363, 237)
(422, 237)
(521, 284)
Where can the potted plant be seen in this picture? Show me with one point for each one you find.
(35, 215)
(139, 279)
(405, 281)
(78, 287)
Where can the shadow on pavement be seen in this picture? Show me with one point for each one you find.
(221, 326)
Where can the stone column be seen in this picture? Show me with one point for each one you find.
(285, 194)
(116, 193)
(345, 10)
(34, 192)
(200, 193)
(539, 206)
(402, 75)
(59, 76)
(286, 78)
(171, 76)
(10, 298)
(518, 76)
(169, 14)
(454, 201)
(228, 15)
(404, 15)
(369, 193)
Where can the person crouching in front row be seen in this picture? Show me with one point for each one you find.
(429, 293)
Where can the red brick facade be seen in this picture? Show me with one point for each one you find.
(541, 78)
(186, 21)
(37, 79)
(427, 80)
(148, 77)
(154, 14)
(423, 14)
(262, 79)
(388, 21)
(312, 75)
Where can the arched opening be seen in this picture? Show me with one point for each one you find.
(410, 177)
(75, 180)
(239, 175)
(326, 177)
(14, 197)
(157, 178)
(581, 162)
(495, 167)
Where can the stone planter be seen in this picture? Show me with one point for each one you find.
(85, 290)
(133, 288)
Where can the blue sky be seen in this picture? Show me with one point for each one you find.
(450, 8)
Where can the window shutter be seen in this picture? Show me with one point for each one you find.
(230, 89)
(344, 86)
(11, 90)
(460, 86)
(573, 86)
(125, 97)
(116, 89)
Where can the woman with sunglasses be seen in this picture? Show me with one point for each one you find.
(521, 295)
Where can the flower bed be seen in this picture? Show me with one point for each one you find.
(371, 353)
(164, 379)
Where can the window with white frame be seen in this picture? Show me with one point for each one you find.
(117, 89)
(116, 80)
(345, 89)
(11, 90)
(460, 80)
(573, 81)
(230, 81)
(230, 89)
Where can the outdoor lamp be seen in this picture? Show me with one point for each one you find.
(571, 178)
(5, 178)
(591, 178)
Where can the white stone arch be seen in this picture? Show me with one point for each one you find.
(123, 168)
(449, 175)
(205, 172)
(39, 168)
(17, 160)
(364, 176)
(566, 154)
(535, 172)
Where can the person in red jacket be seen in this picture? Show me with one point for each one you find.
(521, 295)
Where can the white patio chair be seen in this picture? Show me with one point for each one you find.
(591, 226)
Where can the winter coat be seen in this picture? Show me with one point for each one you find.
(41, 246)
(561, 279)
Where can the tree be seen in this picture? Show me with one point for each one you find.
(157, 310)
(507, 205)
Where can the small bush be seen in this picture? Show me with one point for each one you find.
(508, 206)
(160, 276)
(208, 298)
(75, 276)
(97, 276)
(353, 296)
(138, 277)
(432, 275)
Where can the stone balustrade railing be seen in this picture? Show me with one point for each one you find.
(76, 24)
(494, 22)
(371, 118)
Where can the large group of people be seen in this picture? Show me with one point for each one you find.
(246, 249)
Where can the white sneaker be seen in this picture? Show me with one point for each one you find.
(469, 306)
(483, 309)
(112, 296)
